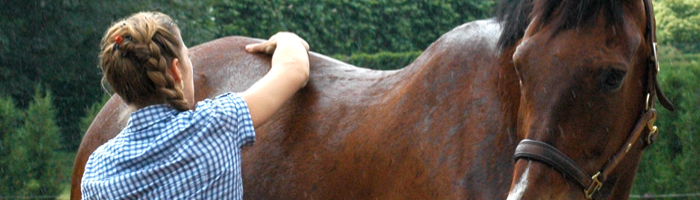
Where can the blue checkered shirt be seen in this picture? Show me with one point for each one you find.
(166, 154)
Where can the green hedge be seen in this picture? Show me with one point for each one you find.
(350, 26)
(670, 166)
(381, 60)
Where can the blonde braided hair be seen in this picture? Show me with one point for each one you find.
(136, 53)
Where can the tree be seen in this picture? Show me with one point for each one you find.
(17, 170)
(678, 23)
(29, 141)
(11, 153)
(91, 113)
(43, 138)
(56, 43)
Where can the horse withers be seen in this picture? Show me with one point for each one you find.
(570, 77)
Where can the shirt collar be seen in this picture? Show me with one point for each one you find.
(149, 115)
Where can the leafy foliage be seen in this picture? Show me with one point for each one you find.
(56, 42)
(30, 140)
(10, 151)
(43, 140)
(670, 165)
(678, 23)
(381, 60)
(91, 113)
(350, 26)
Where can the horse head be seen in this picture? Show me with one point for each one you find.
(587, 74)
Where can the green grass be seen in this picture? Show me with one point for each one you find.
(65, 193)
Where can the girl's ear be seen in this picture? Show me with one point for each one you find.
(175, 70)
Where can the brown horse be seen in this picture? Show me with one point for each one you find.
(571, 79)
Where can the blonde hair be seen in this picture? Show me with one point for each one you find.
(135, 55)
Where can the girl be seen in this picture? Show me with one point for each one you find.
(167, 150)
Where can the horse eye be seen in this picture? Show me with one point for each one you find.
(612, 78)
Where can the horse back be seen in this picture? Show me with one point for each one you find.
(220, 66)
(426, 130)
(440, 128)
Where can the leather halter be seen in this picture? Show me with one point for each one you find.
(545, 153)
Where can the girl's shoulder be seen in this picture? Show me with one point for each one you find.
(229, 114)
(228, 103)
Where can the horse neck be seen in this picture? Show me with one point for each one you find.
(475, 87)
(467, 67)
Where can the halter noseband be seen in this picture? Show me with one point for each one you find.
(547, 154)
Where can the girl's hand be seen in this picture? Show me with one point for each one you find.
(270, 45)
(289, 73)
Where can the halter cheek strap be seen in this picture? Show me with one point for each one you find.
(654, 67)
(545, 153)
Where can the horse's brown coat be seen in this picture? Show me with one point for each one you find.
(424, 131)
(444, 127)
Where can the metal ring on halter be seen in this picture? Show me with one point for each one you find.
(595, 186)
(653, 130)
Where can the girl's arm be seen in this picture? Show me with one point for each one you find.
(288, 74)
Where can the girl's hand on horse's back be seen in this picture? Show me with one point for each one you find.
(288, 74)
(270, 45)
(286, 50)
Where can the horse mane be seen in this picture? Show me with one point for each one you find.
(515, 15)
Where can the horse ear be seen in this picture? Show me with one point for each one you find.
(531, 28)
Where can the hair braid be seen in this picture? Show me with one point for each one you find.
(137, 68)
(164, 82)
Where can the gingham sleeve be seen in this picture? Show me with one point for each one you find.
(233, 114)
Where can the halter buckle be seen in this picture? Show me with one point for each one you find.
(595, 186)
(653, 130)
(652, 135)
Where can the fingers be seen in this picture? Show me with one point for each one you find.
(270, 45)
(306, 45)
(267, 47)
(292, 36)
(288, 36)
